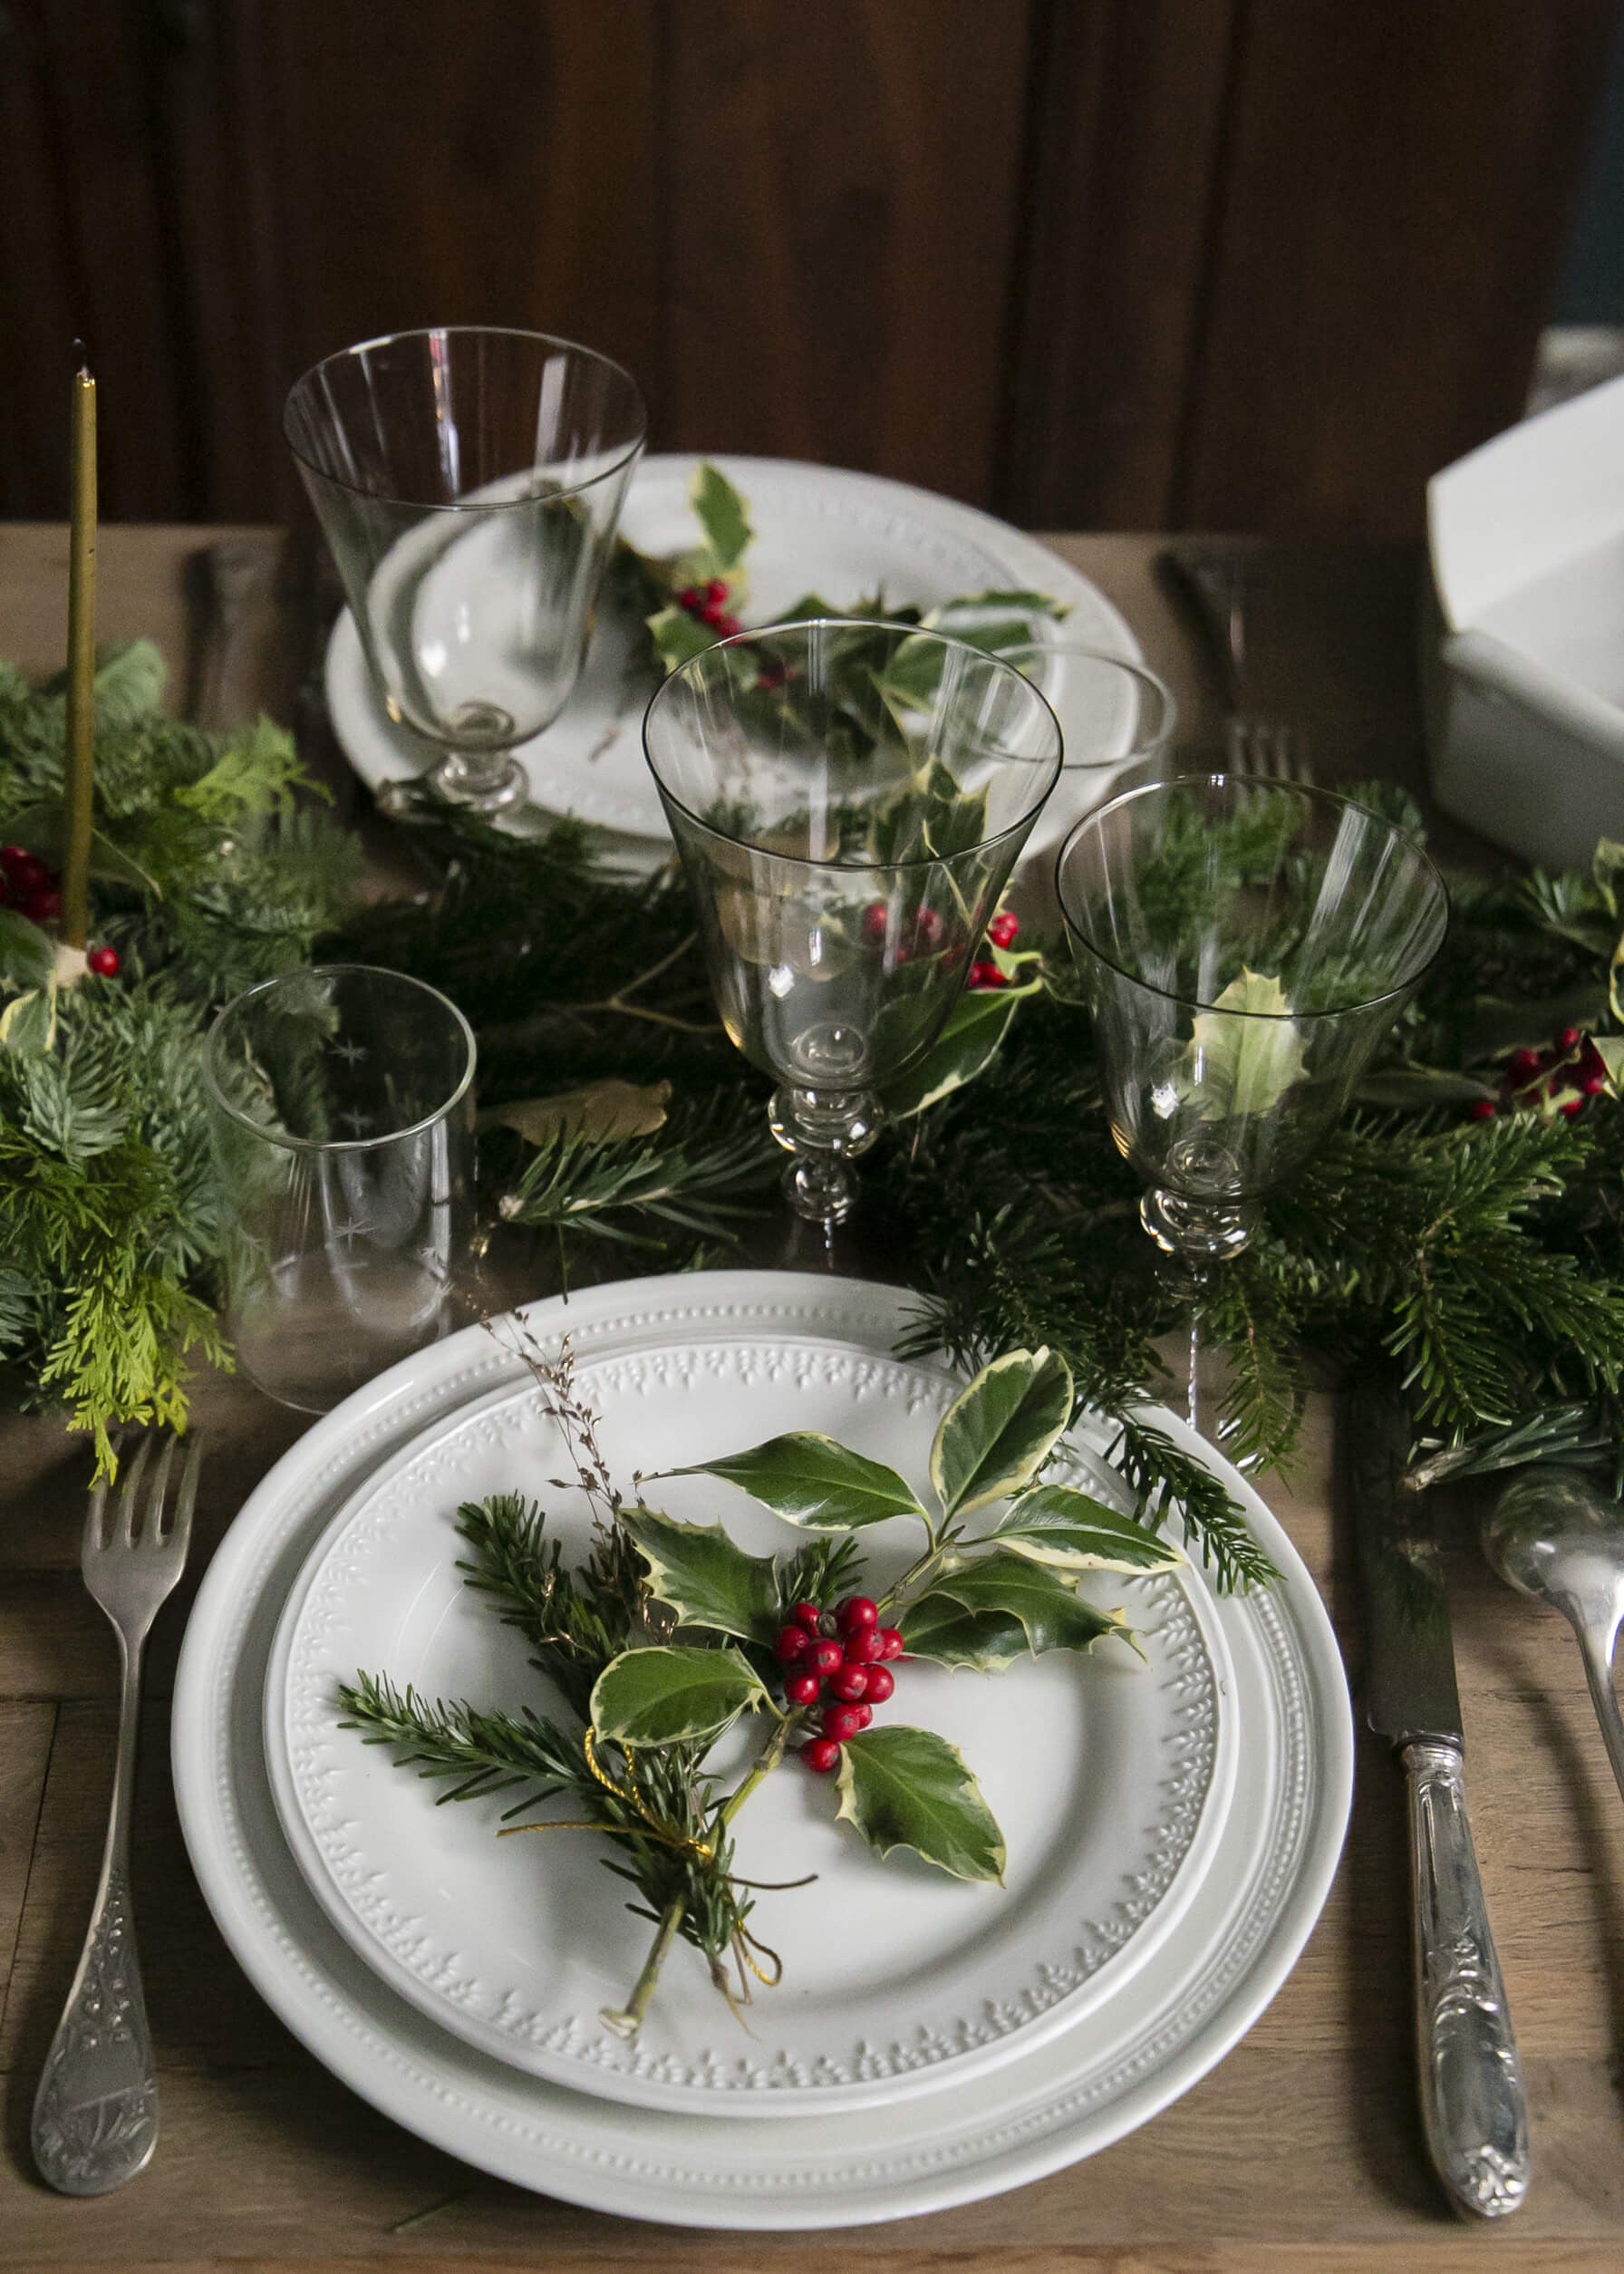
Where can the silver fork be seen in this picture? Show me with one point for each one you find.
(96, 2114)
(1267, 749)
(1212, 590)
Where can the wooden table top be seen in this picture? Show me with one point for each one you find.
(1301, 2151)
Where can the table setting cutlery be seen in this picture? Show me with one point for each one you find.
(1473, 2102)
(95, 2113)
(1554, 1538)
(1211, 590)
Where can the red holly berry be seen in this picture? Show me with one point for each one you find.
(710, 612)
(691, 598)
(807, 1614)
(875, 923)
(1571, 1105)
(792, 1644)
(881, 1682)
(103, 962)
(43, 906)
(891, 1642)
(716, 589)
(840, 1722)
(820, 1756)
(865, 1715)
(801, 1689)
(772, 676)
(1521, 1065)
(849, 1683)
(1593, 1085)
(825, 1659)
(987, 975)
(856, 1610)
(727, 627)
(1004, 929)
(25, 871)
(927, 927)
(1483, 1111)
(863, 1646)
(1567, 1040)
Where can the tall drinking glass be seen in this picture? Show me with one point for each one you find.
(848, 800)
(341, 1110)
(1112, 713)
(470, 482)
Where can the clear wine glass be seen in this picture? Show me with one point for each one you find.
(848, 800)
(1244, 947)
(468, 481)
(1112, 713)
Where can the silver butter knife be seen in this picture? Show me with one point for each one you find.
(1471, 2097)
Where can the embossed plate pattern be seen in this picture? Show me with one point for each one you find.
(1065, 2099)
(1108, 1775)
(819, 530)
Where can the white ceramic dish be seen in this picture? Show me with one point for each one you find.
(819, 530)
(1064, 2098)
(1111, 1819)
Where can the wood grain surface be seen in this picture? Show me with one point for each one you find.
(1298, 2154)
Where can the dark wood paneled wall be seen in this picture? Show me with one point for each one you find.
(1243, 263)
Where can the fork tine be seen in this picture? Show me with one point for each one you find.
(151, 1521)
(93, 1515)
(123, 1527)
(181, 1528)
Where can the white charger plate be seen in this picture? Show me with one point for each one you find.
(1066, 2098)
(1109, 1775)
(818, 528)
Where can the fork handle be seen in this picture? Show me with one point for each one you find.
(96, 2114)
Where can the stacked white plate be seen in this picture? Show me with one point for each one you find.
(1172, 1822)
(845, 537)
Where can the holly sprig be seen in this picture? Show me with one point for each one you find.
(670, 1637)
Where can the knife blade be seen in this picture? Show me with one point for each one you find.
(1472, 2102)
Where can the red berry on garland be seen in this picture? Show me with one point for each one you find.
(727, 627)
(1521, 1065)
(825, 1659)
(1004, 929)
(881, 1682)
(866, 1716)
(875, 922)
(820, 1756)
(987, 975)
(807, 1614)
(25, 871)
(1571, 1105)
(849, 1683)
(801, 1689)
(1593, 1085)
(792, 1644)
(856, 1610)
(863, 1646)
(1483, 1111)
(1567, 1040)
(43, 906)
(891, 1642)
(716, 589)
(710, 612)
(103, 962)
(840, 1722)
(691, 598)
(927, 927)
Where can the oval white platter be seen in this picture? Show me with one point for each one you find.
(1148, 2040)
(1109, 1774)
(818, 528)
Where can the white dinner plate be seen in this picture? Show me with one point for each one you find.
(1064, 2097)
(818, 528)
(1109, 1774)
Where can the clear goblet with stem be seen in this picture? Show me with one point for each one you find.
(1244, 947)
(848, 800)
(469, 482)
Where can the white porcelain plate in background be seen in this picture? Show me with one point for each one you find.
(843, 536)
(1066, 2098)
(1109, 1774)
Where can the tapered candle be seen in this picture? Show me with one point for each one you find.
(82, 666)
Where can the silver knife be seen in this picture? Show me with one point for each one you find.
(1471, 2097)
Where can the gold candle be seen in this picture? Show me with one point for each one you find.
(82, 666)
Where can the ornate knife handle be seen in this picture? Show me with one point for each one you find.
(1471, 2097)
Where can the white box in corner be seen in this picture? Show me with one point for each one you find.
(1524, 671)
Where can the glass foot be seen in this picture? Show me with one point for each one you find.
(489, 783)
(1197, 1231)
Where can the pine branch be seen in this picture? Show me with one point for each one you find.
(696, 1178)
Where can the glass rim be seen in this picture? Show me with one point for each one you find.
(1135, 668)
(454, 331)
(1311, 793)
(856, 623)
(212, 1045)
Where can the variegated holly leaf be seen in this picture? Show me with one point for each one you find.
(1050, 1614)
(672, 1696)
(1246, 1051)
(1054, 1524)
(942, 1632)
(966, 1046)
(705, 1580)
(809, 1480)
(909, 1788)
(997, 1435)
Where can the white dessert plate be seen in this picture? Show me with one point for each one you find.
(818, 528)
(1109, 1774)
(1053, 2101)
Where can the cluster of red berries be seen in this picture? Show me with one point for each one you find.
(1559, 1080)
(843, 1653)
(921, 933)
(33, 889)
(1003, 932)
(709, 603)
